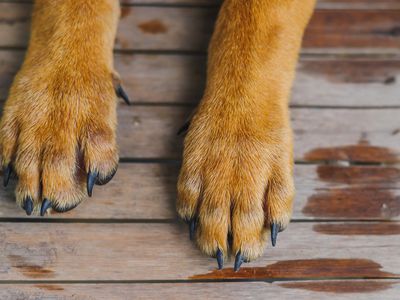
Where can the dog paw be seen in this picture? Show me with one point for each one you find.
(57, 134)
(236, 185)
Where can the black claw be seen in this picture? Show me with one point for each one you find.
(274, 233)
(238, 261)
(107, 179)
(28, 205)
(6, 174)
(46, 204)
(192, 228)
(220, 259)
(121, 94)
(91, 180)
(184, 128)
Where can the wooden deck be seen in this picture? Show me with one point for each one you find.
(126, 243)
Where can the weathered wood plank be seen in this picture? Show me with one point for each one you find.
(362, 135)
(150, 132)
(301, 290)
(189, 28)
(148, 191)
(347, 82)
(320, 80)
(40, 251)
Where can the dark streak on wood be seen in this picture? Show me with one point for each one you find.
(30, 270)
(353, 203)
(339, 287)
(13, 21)
(49, 287)
(358, 229)
(396, 131)
(304, 268)
(35, 271)
(371, 175)
(355, 71)
(394, 31)
(390, 80)
(363, 29)
(354, 153)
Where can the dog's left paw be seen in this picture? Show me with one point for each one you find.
(236, 182)
(57, 134)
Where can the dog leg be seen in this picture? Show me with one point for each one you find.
(236, 178)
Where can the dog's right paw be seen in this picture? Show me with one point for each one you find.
(236, 181)
(57, 135)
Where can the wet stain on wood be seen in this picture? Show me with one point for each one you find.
(353, 203)
(304, 269)
(28, 269)
(358, 229)
(354, 153)
(340, 287)
(374, 175)
(366, 194)
(153, 27)
(50, 287)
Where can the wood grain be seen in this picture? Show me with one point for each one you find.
(301, 290)
(144, 191)
(320, 80)
(188, 28)
(40, 252)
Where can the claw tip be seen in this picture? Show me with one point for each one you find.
(6, 174)
(91, 180)
(238, 261)
(274, 233)
(45, 206)
(122, 94)
(184, 128)
(220, 259)
(28, 206)
(192, 228)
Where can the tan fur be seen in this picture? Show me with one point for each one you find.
(60, 117)
(236, 176)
